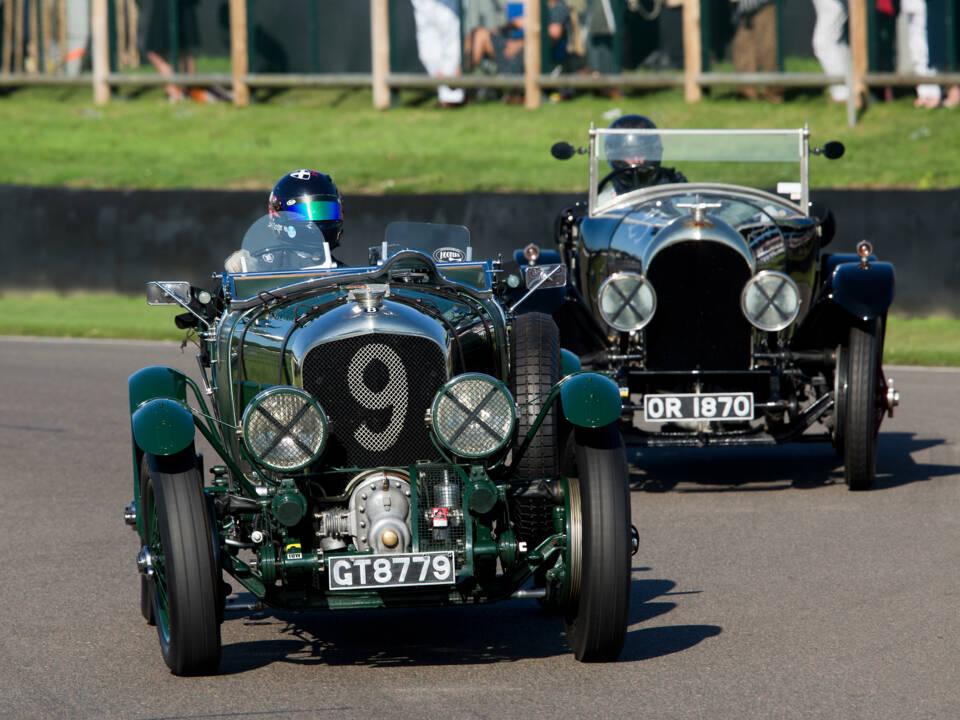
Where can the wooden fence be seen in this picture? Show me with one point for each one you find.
(47, 23)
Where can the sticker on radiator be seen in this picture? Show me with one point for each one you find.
(359, 572)
(440, 517)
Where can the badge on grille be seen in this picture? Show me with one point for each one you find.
(440, 516)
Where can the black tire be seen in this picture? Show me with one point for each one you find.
(862, 407)
(599, 551)
(185, 581)
(535, 369)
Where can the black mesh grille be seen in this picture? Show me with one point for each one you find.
(375, 390)
(698, 323)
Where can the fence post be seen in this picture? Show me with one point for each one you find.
(692, 53)
(857, 31)
(101, 51)
(531, 54)
(380, 50)
(239, 57)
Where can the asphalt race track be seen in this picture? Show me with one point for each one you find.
(762, 589)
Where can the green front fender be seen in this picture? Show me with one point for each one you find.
(162, 426)
(590, 400)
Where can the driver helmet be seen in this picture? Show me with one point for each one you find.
(313, 198)
(624, 150)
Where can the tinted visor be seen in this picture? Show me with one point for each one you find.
(316, 210)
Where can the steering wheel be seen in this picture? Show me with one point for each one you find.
(641, 175)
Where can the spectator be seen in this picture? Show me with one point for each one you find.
(755, 45)
(438, 44)
(831, 50)
(928, 94)
(158, 42)
(504, 46)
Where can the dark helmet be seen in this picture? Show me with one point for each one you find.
(633, 150)
(629, 149)
(314, 198)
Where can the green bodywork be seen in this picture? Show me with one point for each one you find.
(250, 349)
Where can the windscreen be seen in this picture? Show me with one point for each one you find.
(628, 159)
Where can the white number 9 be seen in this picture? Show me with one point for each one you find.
(441, 567)
(393, 395)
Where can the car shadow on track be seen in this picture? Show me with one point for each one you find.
(798, 466)
(504, 632)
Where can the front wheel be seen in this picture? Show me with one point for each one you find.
(862, 407)
(599, 547)
(184, 578)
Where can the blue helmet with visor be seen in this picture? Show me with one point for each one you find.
(313, 198)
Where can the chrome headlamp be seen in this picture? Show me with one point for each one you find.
(626, 301)
(284, 428)
(473, 415)
(770, 300)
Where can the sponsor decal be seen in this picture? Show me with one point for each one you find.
(449, 254)
(300, 174)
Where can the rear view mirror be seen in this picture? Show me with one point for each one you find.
(168, 292)
(563, 150)
(833, 150)
(540, 277)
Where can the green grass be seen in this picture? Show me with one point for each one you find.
(55, 136)
(94, 315)
(923, 341)
(910, 341)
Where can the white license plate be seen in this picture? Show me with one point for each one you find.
(362, 572)
(698, 406)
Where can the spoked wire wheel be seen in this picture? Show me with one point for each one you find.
(184, 577)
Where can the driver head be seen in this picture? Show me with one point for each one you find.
(314, 199)
(626, 150)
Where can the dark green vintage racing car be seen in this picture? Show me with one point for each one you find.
(389, 435)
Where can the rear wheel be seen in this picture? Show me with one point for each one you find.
(535, 369)
(184, 578)
(862, 407)
(598, 547)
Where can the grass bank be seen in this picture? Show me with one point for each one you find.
(56, 136)
(931, 341)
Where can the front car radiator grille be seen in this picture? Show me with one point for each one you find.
(375, 390)
(698, 324)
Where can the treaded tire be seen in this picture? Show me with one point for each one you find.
(185, 584)
(534, 370)
(863, 408)
(597, 616)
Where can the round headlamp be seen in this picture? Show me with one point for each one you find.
(770, 300)
(626, 301)
(284, 428)
(473, 415)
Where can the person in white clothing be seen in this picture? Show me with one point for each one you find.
(928, 94)
(438, 44)
(831, 50)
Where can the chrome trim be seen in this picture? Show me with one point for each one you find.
(351, 320)
(610, 281)
(145, 561)
(755, 281)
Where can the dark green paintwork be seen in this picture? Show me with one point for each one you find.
(590, 400)
(162, 426)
